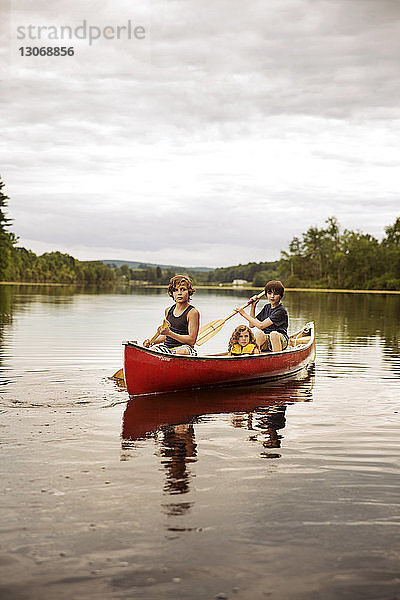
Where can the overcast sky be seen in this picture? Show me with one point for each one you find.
(230, 128)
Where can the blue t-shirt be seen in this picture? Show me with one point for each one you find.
(278, 316)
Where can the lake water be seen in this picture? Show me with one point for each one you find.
(286, 491)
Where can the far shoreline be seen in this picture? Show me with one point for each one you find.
(287, 289)
(205, 287)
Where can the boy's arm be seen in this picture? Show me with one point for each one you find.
(254, 322)
(193, 327)
(160, 339)
(254, 301)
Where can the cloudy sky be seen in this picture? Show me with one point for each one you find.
(229, 128)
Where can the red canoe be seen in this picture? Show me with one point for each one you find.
(150, 372)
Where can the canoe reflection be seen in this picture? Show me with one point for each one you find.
(169, 421)
(259, 408)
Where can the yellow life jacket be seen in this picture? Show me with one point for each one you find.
(238, 349)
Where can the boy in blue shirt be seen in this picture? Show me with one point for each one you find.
(272, 321)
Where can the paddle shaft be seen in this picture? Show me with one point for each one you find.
(235, 312)
(155, 336)
(208, 331)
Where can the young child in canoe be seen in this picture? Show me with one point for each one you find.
(272, 321)
(242, 342)
(180, 336)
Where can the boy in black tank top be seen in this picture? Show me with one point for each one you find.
(180, 337)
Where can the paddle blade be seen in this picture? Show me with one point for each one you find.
(208, 331)
(119, 374)
(119, 379)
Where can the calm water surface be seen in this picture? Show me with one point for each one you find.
(286, 491)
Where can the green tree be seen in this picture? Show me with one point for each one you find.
(293, 261)
(125, 272)
(7, 239)
(363, 259)
(390, 279)
(326, 257)
(392, 234)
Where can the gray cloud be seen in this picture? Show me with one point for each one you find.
(230, 129)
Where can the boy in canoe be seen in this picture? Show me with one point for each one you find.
(179, 337)
(272, 321)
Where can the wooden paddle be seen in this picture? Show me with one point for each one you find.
(166, 324)
(208, 331)
(120, 373)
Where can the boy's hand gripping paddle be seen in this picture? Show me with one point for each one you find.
(166, 325)
(208, 331)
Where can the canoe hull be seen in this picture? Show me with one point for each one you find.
(150, 372)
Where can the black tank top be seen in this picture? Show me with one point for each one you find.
(179, 325)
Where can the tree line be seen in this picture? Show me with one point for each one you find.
(322, 258)
(330, 258)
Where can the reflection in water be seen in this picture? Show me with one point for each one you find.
(178, 447)
(264, 425)
(169, 420)
(359, 318)
(15, 299)
(6, 314)
(347, 325)
(319, 522)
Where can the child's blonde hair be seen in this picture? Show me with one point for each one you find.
(235, 336)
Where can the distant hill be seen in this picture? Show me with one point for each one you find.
(140, 265)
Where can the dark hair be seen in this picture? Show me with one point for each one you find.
(275, 286)
(177, 280)
(235, 336)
